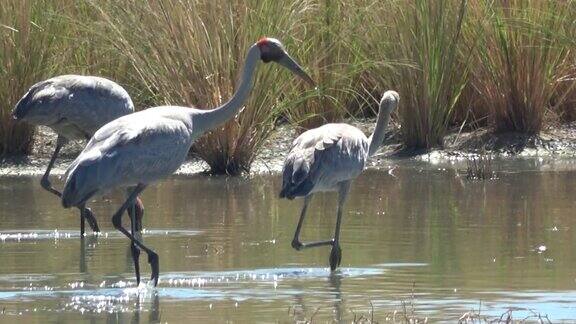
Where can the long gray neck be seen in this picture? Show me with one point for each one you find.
(210, 119)
(377, 138)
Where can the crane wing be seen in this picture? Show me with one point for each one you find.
(137, 148)
(323, 157)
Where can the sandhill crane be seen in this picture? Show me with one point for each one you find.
(74, 106)
(140, 148)
(328, 158)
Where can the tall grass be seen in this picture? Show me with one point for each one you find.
(456, 63)
(191, 53)
(519, 59)
(564, 97)
(424, 39)
(27, 49)
(332, 51)
(90, 50)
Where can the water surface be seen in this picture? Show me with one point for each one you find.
(414, 233)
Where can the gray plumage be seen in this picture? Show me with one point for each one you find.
(323, 157)
(75, 107)
(328, 158)
(141, 148)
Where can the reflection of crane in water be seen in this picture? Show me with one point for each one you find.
(138, 149)
(75, 107)
(328, 158)
(302, 314)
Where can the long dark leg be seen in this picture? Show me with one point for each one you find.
(296, 240)
(85, 213)
(82, 256)
(117, 222)
(336, 253)
(45, 182)
(139, 214)
(89, 216)
(135, 251)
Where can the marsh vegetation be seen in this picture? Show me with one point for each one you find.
(505, 65)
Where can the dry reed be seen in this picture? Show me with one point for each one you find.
(456, 63)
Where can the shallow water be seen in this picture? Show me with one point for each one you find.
(414, 233)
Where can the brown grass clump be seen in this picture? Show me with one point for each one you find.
(26, 50)
(564, 96)
(509, 65)
(419, 43)
(518, 57)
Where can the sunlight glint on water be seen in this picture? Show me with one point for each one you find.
(224, 246)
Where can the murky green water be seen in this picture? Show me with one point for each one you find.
(224, 245)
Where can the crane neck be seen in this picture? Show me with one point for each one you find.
(212, 118)
(377, 138)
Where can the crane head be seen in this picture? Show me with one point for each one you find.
(36, 106)
(272, 50)
(390, 100)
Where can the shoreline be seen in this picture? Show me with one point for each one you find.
(559, 142)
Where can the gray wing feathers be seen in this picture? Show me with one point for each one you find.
(91, 103)
(85, 102)
(322, 157)
(126, 152)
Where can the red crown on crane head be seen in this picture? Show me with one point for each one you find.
(263, 40)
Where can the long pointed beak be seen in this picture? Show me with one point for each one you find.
(289, 63)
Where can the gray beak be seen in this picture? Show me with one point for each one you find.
(289, 63)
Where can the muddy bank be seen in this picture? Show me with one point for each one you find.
(559, 142)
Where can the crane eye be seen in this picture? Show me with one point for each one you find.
(270, 53)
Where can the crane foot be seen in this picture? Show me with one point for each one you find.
(297, 245)
(154, 264)
(335, 257)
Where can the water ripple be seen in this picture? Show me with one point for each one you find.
(39, 235)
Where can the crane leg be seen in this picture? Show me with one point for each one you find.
(82, 256)
(135, 251)
(117, 222)
(85, 213)
(45, 181)
(336, 253)
(296, 243)
(139, 214)
(82, 224)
